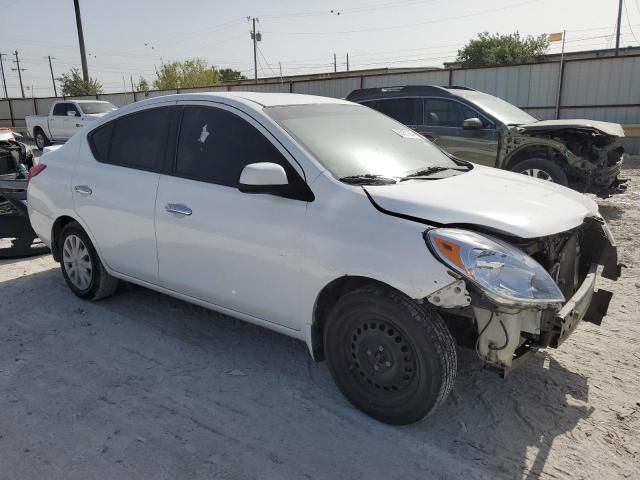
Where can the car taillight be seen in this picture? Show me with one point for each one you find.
(36, 169)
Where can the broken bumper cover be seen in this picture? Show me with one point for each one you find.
(607, 178)
(587, 304)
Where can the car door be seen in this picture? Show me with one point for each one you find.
(235, 250)
(114, 189)
(442, 122)
(58, 122)
(71, 123)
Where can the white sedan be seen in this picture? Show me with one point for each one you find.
(328, 222)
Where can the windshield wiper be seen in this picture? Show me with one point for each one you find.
(426, 172)
(367, 179)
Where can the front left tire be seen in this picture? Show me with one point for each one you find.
(81, 267)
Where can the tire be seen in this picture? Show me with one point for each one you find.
(41, 139)
(543, 169)
(393, 359)
(81, 267)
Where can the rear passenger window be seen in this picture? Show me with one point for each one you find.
(215, 145)
(400, 109)
(135, 140)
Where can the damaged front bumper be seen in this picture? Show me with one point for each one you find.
(606, 180)
(505, 332)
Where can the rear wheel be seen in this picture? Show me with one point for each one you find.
(41, 139)
(81, 267)
(543, 169)
(393, 359)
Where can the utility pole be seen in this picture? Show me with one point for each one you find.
(280, 65)
(4, 80)
(131, 79)
(55, 90)
(335, 64)
(256, 37)
(83, 54)
(20, 70)
(347, 61)
(618, 27)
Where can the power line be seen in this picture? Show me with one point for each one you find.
(409, 25)
(629, 23)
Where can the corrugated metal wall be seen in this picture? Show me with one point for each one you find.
(523, 85)
(599, 88)
(412, 78)
(335, 87)
(118, 99)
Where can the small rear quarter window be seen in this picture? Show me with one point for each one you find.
(100, 142)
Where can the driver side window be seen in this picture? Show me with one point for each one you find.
(440, 112)
(215, 145)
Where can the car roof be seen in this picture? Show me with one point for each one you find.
(256, 98)
(364, 94)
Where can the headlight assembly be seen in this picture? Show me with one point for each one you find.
(504, 273)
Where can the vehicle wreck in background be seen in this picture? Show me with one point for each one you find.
(583, 154)
(16, 158)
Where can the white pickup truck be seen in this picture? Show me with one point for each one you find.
(65, 118)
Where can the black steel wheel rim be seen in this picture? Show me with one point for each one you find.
(382, 360)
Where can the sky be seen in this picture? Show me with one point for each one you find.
(132, 38)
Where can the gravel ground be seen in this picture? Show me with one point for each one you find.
(144, 386)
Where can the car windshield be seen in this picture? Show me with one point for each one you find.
(503, 111)
(96, 107)
(353, 140)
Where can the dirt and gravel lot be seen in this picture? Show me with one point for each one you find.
(144, 386)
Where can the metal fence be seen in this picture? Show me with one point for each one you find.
(595, 88)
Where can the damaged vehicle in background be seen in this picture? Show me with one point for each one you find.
(583, 154)
(329, 222)
(17, 238)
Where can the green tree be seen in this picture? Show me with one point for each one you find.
(73, 84)
(492, 50)
(188, 73)
(143, 86)
(230, 75)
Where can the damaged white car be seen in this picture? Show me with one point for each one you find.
(331, 223)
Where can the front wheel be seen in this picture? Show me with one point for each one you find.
(81, 267)
(393, 359)
(543, 169)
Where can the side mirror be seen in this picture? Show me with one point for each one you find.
(263, 177)
(472, 124)
(71, 113)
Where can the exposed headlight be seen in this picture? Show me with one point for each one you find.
(503, 272)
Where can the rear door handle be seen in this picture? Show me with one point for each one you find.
(178, 208)
(83, 189)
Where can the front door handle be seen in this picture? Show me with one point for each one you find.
(83, 189)
(178, 208)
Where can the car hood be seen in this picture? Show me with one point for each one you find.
(613, 129)
(488, 198)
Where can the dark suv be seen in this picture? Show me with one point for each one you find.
(484, 129)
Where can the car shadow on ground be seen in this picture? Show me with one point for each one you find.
(205, 391)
